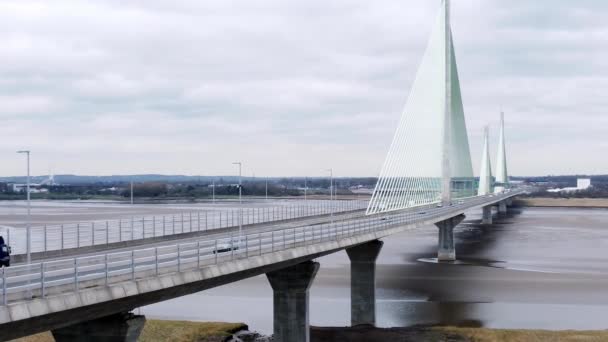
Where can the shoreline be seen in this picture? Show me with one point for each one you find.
(189, 331)
(561, 202)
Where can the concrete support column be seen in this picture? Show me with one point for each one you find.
(290, 286)
(363, 282)
(502, 207)
(124, 327)
(447, 248)
(486, 217)
(509, 202)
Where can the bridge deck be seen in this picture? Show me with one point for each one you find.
(92, 286)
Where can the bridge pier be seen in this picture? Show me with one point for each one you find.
(486, 217)
(290, 286)
(123, 327)
(363, 282)
(502, 207)
(447, 247)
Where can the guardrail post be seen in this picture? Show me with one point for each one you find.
(92, 233)
(153, 226)
(107, 233)
(216, 251)
(143, 227)
(284, 238)
(206, 222)
(42, 289)
(77, 234)
(179, 258)
(62, 236)
(132, 265)
(132, 228)
(120, 230)
(173, 224)
(198, 216)
(260, 241)
(246, 246)
(198, 254)
(76, 274)
(181, 223)
(232, 246)
(164, 231)
(45, 238)
(106, 269)
(272, 243)
(4, 286)
(156, 260)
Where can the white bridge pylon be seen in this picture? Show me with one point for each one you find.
(429, 160)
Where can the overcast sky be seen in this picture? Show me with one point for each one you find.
(290, 87)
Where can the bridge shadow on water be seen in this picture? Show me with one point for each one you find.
(446, 293)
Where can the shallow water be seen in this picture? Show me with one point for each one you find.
(537, 268)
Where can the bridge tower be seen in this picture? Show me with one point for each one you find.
(502, 178)
(429, 160)
(485, 177)
(485, 171)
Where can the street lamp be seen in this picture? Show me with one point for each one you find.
(28, 220)
(331, 198)
(28, 224)
(240, 203)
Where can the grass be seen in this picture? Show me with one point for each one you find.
(496, 335)
(175, 331)
(182, 331)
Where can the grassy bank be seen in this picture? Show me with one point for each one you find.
(175, 331)
(495, 335)
(452, 334)
(562, 202)
(182, 331)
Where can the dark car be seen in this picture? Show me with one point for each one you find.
(5, 253)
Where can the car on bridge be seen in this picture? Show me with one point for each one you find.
(226, 246)
(5, 253)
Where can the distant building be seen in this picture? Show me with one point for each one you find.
(581, 184)
(22, 188)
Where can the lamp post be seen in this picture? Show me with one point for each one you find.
(331, 198)
(240, 203)
(28, 224)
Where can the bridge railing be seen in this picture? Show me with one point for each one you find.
(83, 234)
(72, 274)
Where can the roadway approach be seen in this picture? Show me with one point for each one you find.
(90, 296)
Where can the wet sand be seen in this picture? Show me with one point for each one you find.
(538, 268)
(563, 202)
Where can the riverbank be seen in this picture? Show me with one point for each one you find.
(183, 331)
(174, 331)
(452, 334)
(562, 202)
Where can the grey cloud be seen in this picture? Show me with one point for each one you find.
(154, 86)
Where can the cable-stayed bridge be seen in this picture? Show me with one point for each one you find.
(83, 288)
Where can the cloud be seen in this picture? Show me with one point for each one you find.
(289, 87)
